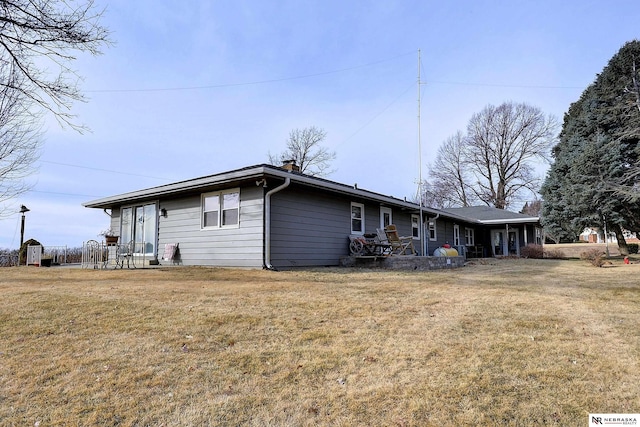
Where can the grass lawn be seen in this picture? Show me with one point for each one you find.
(500, 342)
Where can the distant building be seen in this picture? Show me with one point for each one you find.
(596, 235)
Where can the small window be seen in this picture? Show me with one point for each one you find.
(357, 218)
(211, 210)
(469, 237)
(432, 231)
(415, 226)
(221, 209)
(456, 235)
(230, 208)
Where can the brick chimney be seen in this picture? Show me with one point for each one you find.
(290, 165)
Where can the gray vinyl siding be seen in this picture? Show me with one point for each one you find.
(308, 228)
(444, 234)
(224, 247)
(311, 228)
(115, 221)
(401, 219)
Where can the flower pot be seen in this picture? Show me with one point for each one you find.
(111, 240)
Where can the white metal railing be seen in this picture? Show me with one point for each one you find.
(99, 255)
(94, 254)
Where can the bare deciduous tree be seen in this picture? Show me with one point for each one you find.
(532, 208)
(493, 162)
(303, 147)
(38, 38)
(37, 42)
(503, 142)
(449, 179)
(20, 139)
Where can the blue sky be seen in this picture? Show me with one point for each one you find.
(192, 88)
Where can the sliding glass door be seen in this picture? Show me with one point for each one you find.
(139, 224)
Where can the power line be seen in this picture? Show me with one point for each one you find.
(103, 170)
(64, 194)
(504, 85)
(375, 116)
(258, 82)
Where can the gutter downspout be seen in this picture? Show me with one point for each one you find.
(267, 222)
(427, 238)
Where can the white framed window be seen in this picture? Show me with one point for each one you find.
(469, 237)
(538, 236)
(432, 230)
(456, 235)
(357, 218)
(221, 209)
(415, 226)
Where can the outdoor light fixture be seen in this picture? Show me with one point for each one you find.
(23, 210)
(163, 212)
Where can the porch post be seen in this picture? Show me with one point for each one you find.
(505, 244)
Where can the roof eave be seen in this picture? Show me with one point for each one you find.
(256, 172)
(175, 188)
(510, 221)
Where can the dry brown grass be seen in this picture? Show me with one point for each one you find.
(509, 342)
(573, 250)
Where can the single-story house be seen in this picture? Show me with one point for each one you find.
(596, 235)
(503, 232)
(276, 217)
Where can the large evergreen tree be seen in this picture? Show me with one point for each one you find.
(598, 147)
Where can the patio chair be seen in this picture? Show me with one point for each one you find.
(124, 254)
(400, 245)
(170, 252)
(386, 248)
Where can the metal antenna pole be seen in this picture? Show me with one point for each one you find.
(422, 230)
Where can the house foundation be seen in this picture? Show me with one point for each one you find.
(419, 263)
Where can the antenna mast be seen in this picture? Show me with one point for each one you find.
(422, 228)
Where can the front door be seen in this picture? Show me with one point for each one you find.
(498, 242)
(514, 242)
(385, 217)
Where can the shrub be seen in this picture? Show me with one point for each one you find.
(594, 256)
(633, 248)
(532, 251)
(8, 257)
(554, 254)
